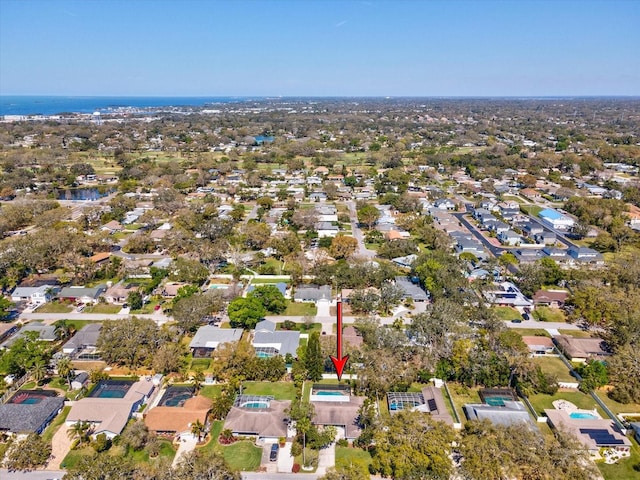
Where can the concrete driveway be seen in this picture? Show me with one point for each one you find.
(326, 459)
(60, 446)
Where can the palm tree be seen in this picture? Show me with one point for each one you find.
(198, 380)
(197, 428)
(80, 429)
(39, 371)
(65, 369)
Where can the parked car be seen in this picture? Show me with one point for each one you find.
(526, 316)
(516, 320)
(273, 456)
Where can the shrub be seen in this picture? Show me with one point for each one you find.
(343, 442)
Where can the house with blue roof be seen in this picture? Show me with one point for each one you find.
(555, 220)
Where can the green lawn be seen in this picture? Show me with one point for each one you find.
(103, 308)
(554, 366)
(534, 332)
(546, 314)
(243, 456)
(270, 281)
(301, 309)
(55, 425)
(142, 456)
(531, 209)
(302, 327)
(74, 456)
(54, 307)
(506, 313)
(575, 333)
(346, 456)
(280, 390)
(211, 391)
(624, 469)
(616, 407)
(461, 395)
(540, 401)
(77, 324)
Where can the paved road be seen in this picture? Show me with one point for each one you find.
(495, 251)
(531, 324)
(39, 475)
(357, 232)
(54, 317)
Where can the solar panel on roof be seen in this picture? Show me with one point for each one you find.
(432, 405)
(601, 436)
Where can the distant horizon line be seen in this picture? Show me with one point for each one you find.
(321, 96)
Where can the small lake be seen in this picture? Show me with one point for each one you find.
(82, 193)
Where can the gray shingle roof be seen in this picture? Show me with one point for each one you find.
(24, 417)
(283, 341)
(210, 337)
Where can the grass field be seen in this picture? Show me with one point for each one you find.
(540, 401)
(535, 332)
(280, 390)
(302, 327)
(347, 456)
(616, 407)
(575, 333)
(462, 395)
(103, 308)
(546, 314)
(506, 313)
(211, 391)
(531, 209)
(554, 366)
(243, 456)
(54, 307)
(295, 309)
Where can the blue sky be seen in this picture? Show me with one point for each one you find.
(324, 48)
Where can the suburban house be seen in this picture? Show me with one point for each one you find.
(36, 295)
(539, 345)
(555, 220)
(29, 411)
(170, 289)
(46, 333)
(119, 292)
(444, 204)
(593, 433)
(585, 255)
(405, 262)
(208, 338)
(83, 343)
(470, 245)
(270, 342)
(550, 298)
(510, 413)
(80, 380)
(582, 349)
(312, 293)
(506, 294)
(259, 416)
(411, 290)
(532, 229)
(510, 238)
(110, 414)
(176, 421)
(429, 400)
(112, 227)
(100, 258)
(326, 229)
(545, 238)
(557, 254)
(82, 294)
(340, 411)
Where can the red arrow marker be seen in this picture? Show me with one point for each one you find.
(339, 362)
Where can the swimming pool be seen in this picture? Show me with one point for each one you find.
(255, 405)
(497, 401)
(583, 415)
(402, 405)
(111, 389)
(175, 396)
(329, 393)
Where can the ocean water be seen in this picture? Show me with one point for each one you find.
(47, 105)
